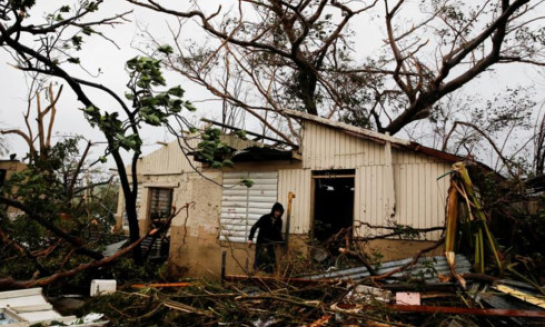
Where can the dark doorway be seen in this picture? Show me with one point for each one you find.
(333, 202)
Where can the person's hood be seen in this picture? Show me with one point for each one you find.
(277, 206)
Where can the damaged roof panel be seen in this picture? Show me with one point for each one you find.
(427, 268)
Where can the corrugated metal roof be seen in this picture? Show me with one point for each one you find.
(427, 268)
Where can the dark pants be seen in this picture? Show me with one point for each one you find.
(265, 258)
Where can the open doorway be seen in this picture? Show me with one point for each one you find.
(333, 202)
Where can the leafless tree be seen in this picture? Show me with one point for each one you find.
(300, 54)
(494, 131)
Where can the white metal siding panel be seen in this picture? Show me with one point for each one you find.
(372, 213)
(400, 188)
(241, 206)
(298, 181)
(168, 159)
(429, 194)
(262, 195)
(412, 205)
(420, 198)
(326, 148)
(370, 193)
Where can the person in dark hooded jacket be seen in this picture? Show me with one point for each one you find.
(270, 234)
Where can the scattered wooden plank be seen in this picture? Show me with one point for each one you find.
(161, 285)
(468, 311)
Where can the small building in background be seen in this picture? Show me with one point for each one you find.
(342, 177)
(7, 168)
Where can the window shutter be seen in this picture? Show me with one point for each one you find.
(160, 202)
(242, 206)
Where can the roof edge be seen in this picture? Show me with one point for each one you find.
(364, 132)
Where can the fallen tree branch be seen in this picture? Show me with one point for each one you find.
(78, 244)
(11, 283)
(164, 228)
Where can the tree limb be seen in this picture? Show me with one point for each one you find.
(77, 243)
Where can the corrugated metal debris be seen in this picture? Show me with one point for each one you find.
(427, 269)
(490, 296)
(22, 308)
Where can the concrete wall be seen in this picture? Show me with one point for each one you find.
(294, 260)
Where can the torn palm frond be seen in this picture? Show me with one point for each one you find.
(464, 185)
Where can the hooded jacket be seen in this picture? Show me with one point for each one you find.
(270, 229)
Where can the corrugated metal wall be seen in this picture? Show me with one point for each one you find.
(326, 148)
(241, 206)
(420, 198)
(299, 182)
(169, 159)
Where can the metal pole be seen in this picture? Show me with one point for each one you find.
(223, 264)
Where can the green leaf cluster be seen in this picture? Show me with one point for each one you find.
(153, 107)
(212, 150)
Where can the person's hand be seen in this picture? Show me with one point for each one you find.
(250, 243)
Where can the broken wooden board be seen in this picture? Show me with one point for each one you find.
(468, 311)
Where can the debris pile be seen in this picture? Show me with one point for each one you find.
(272, 301)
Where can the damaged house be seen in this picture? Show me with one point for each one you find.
(340, 175)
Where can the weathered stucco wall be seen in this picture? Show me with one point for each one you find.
(195, 231)
(239, 259)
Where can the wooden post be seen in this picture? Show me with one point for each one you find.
(291, 196)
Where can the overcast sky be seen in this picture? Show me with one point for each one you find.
(98, 53)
